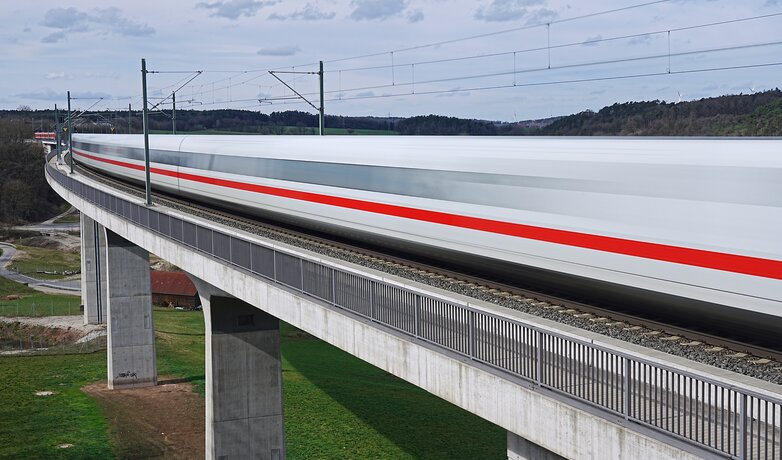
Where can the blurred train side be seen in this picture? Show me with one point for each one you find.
(635, 224)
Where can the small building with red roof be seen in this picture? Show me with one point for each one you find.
(173, 289)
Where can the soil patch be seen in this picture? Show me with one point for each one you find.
(156, 263)
(60, 242)
(164, 421)
(75, 322)
(14, 333)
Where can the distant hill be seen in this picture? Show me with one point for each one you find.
(757, 114)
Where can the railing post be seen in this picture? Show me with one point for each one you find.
(274, 264)
(743, 428)
(372, 300)
(626, 388)
(334, 287)
(301, 275)
(539, 358)
(417, 315)
(472, 334)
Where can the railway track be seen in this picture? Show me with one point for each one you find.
(738, 356)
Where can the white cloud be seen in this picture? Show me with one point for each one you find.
(61, 75)
(115, 22)
(592, 41)
(415, 16)
(505, 10)
(53, 37)
(640, 40)
(234, 9)
(103, 20)
(289, 50)
(542, 16)
(50, 95)
(64, 18)
(308, 13)
(57, 76)
(380, 10)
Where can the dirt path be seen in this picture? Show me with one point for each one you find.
(164, 421)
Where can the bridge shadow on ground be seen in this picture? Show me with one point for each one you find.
(337, 406)
(173, 381)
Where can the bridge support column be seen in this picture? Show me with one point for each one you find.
(93, 271)
(522, 449)
(244, 417)
(131, 335)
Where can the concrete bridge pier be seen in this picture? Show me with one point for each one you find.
(522, 449)
(131, 335)
(244, 416)
(93, 270)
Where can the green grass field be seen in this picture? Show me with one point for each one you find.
(336, 406)
(32, 427)
(42, 259)
(34, 303)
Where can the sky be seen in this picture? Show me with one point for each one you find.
(502, 60)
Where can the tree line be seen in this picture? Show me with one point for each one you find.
(757, 114)
(25, 196)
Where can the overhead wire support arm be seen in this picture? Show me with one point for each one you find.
(272, 73)
(197, 73)
(319, 73)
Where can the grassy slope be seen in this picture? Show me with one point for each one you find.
(34, 303)
(46, 259)
(33, 426)
(336, 406)
(180, 345)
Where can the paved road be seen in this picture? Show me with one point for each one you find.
(55, 218)
(46, 228)
(8, 254)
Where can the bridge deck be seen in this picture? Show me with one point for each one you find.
(725, 418)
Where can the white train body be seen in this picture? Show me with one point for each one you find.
(692, 219)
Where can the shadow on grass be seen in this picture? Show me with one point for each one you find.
(192, 378)
(416, 422)
(195, 334)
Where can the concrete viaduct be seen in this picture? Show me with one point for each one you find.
(559, 392)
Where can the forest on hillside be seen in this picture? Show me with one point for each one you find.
(25, 196)
(756, 114)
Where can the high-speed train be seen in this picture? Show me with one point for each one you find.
(689, 227)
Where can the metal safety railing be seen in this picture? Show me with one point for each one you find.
(723, 419)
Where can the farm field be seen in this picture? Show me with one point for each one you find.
(17, 299)
(37, 260)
